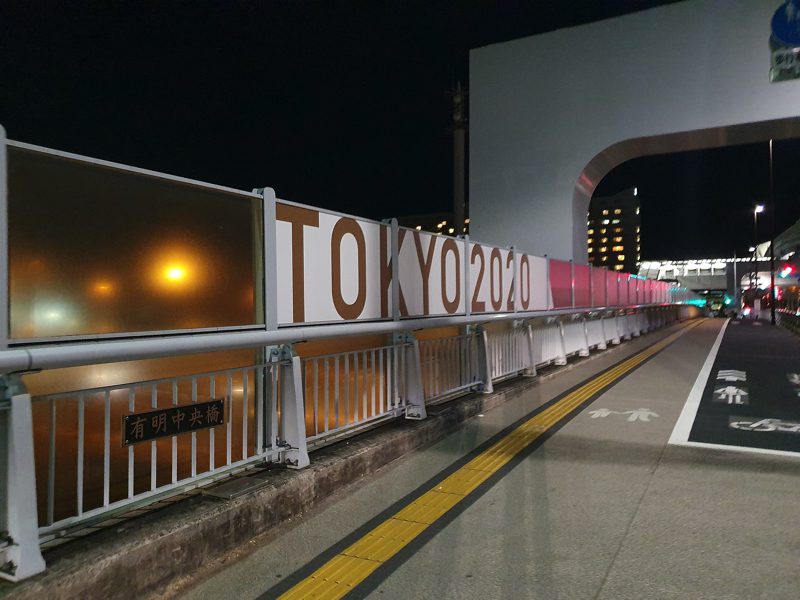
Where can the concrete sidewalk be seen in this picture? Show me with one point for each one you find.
(604, 509)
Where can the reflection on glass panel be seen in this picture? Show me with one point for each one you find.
(94, 250)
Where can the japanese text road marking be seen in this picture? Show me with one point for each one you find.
(352, 565)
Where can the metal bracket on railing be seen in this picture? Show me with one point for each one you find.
(584, 352)
(561, 359)
(603, 338)
(20, 555)
(531, 370)
(293, 445)
(484, 360)
(415, 393)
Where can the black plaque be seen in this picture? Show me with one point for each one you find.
(166, 422)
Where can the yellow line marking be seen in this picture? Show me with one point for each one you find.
(346, 570)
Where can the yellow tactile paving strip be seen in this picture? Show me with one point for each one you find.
(353, 565)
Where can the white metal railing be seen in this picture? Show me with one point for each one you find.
(86, 474)
(274, 409)
(509, 352)
(449, 365)
(347, 391)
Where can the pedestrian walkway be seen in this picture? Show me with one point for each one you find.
(568, 491)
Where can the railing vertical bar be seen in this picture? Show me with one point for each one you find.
(194, 433)
(81, 431)
(212, 391)
(174, 463)
(153, 447)
(315, 363)
(357, 389)
(374, 373)
(106, 447)
(364, 389)
(337, 380)
(131, 410)
(245, 416)
(51, 465)
(229, 436)
(382, 374)
(327, 384)
(346, 389)
(259, 398)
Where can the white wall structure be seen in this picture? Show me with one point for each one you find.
(550, 115)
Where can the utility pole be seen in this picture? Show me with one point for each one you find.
(459, 140)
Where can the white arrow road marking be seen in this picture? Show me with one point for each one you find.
(731, 375)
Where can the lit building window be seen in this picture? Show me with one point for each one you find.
(603, 248)
(617, 211)
(637, 210)
(617, 229)
(618, 267)
(618, 248)
(637, 229)
(590, 241)
(620, 257)
(604, 259)
(591, 250)
(419, 227)
(618, 239)
(605, 212)
(603, 240)
(605, 221)
(591, 231)
(615, 221)
(603, 230)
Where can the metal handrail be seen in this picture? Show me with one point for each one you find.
(54, 356)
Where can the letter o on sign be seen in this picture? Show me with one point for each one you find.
(450, 246)
(344, 226)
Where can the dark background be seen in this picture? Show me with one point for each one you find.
(337, 104)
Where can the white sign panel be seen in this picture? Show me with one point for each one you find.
(491, 279)
(430, 272)
(329, 267)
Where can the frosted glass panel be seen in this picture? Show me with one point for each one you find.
(94, 250)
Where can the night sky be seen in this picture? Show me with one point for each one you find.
(336, 104)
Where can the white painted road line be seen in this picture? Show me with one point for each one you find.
(683, 427)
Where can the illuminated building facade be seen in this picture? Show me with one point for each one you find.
(614, 231)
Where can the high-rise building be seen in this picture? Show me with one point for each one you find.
(613, 229)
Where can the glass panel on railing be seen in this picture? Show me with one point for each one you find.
(96, 250)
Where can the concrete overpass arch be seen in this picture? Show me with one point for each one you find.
(552, 114)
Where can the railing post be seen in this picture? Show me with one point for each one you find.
(484, 359)
(4, 312)
(269, 286)
(20, 556)
(514, 282)
(531, 370)
(293, 414)
(467, 297)
(548, 288)
(415, 393)
(395, 247)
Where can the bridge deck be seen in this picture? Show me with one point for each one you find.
(569, 491)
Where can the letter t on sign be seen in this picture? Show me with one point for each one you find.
(299, 218)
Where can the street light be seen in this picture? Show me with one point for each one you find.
(757, 210)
